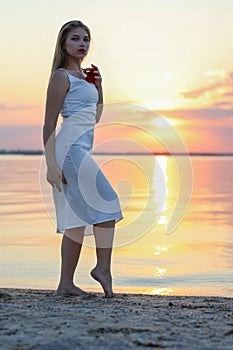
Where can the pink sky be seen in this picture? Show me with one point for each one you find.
(177, 65)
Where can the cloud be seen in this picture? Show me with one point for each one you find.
(199, 133)
(21, 137)
(199, 92)
(16, 107)
(201, 113)
(228, 94)
(225, 82)
(224, 103)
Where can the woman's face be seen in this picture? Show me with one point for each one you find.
(77, 43)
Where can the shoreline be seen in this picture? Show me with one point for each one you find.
(191, 154)
(39, 319)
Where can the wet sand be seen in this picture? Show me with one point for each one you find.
(39, 319)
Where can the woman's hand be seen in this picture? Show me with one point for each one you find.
(55, 177)
(93, 76)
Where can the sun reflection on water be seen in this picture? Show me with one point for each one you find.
(160, 187)
(160, 272)
(161, 291)
(159, 249)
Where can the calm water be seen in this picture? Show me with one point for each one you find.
(194, 258)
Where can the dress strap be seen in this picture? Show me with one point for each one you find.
(68, 76)
(65, 72)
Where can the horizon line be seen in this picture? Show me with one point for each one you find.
(41, 152)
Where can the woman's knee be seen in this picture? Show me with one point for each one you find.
(76, 234)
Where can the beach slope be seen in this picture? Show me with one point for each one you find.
(39, 319)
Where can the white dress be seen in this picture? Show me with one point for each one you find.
(88, 197)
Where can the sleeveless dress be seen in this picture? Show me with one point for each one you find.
(88, 198)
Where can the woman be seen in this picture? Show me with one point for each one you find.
(84, 200)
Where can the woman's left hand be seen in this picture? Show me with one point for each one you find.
(93, 76)
(98, 78)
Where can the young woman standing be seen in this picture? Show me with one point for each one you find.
(85, 201)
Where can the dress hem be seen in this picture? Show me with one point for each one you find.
(99, 222)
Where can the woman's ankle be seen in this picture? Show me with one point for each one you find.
(102, 269)
(65, 283)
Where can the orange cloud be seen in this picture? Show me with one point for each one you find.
(225, 84)
(21, 115)
(198, 113)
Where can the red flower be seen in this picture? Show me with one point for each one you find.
(90, 78)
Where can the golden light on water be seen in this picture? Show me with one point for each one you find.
(155, 264)
(162, 291)
(159, 249)
(162, 220)
(160, 272)
(160, 187)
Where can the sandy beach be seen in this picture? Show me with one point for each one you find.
(39, 319)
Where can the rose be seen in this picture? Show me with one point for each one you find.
(90, 78)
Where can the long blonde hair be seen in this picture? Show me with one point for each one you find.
(59, 58)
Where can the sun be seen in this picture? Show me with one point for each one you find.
(164, 122)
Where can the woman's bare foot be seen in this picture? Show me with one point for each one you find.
(64, 290)
(105, 279)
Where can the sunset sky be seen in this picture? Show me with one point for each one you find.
(159, 59)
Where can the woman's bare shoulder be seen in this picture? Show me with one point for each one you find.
(60, 77)
(60, 73)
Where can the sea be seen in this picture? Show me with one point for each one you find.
(175, 238)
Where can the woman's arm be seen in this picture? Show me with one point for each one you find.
(100, 105)
(98, 84)
(57, 89)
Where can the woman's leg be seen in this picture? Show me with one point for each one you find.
(104, 234)
(70, 252)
